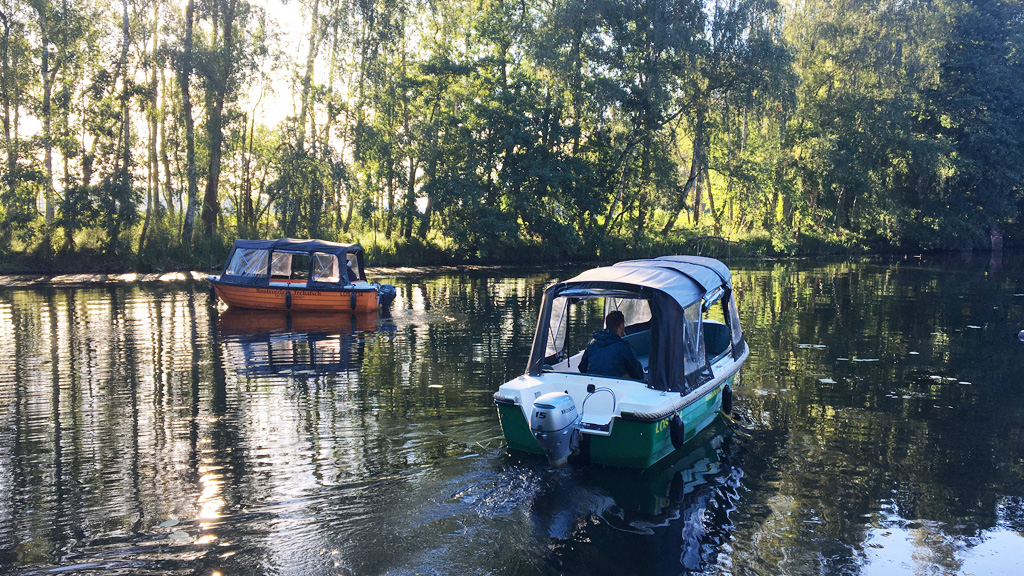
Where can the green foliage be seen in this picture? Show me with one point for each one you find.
(404, 252)
(162, 251)
(301, 191)
(18, 200)
(209, 252)
(117, 208)
(492, 131)
(78, 210)
(976, 108)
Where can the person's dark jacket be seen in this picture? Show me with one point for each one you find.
(609, 355)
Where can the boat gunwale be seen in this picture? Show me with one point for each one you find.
(264, 283)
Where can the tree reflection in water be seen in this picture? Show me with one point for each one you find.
(877, 431)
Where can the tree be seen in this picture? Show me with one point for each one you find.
(184, 73)
(20, 178)
(976, 107)
(218, 74)
(863, 69)
(44, 13)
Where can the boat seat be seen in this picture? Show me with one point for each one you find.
(716, 340)
(640, 341)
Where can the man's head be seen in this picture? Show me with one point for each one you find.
(615, 322)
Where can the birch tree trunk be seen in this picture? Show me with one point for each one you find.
(214, 121)
(184, 81)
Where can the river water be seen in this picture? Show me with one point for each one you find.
(877, 430)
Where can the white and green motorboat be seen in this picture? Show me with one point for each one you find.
(682, 322)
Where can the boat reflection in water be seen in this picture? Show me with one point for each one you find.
(644, 497)
(273, 342)
(685, 502)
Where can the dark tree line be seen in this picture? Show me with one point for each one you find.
(481, 128)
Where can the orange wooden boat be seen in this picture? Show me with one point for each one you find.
(299, 275)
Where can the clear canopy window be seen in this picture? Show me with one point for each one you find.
(290, 265)
(694, 355)
(325, 268)
(692, 337)
(576, 316)
(281, 266)
(636, 311)
(353, 266)
(247, 262)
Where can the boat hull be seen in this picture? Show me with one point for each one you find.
(634, 441)
(297, 299)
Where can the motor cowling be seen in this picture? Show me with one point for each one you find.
(385, 295)
(555, 423)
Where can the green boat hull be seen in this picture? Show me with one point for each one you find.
(633, 442)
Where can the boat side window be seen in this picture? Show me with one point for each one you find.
(734, 325)
(300, 267)
(281, 265)
(325, 268)
(290, 266)
(694, 355)
(717, 339)
(352, 267)
(247, 262)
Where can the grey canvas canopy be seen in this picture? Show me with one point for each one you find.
(707, 272)
(253, 261)
(676, 288)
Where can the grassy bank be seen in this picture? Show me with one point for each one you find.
(163, 254)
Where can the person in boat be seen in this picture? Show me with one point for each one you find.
(352, 275)
(608, 354)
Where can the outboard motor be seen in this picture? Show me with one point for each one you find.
(385, 295)
(555, 424)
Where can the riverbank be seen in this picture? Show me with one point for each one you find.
(93, 279)
(992, 262)
(169, 263)
(84, 279)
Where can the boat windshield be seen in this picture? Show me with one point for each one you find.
(571, 321)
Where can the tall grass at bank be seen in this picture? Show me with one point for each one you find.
(39, 250)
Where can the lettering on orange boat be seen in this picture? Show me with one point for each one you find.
(294, 292)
